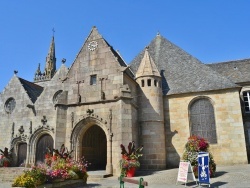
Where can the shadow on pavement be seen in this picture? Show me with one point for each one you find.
(217, 184)
(220, 173)
(146, 173)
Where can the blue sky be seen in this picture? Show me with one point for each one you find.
(210, 30)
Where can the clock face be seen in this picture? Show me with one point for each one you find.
(92, 45)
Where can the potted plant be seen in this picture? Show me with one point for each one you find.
(129, 161)
(5, 157)
(194, 145)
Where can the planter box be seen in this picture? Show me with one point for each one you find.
(63, 184)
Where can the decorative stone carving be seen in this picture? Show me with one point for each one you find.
(89, 111)
(44, 120)
(13, 129)
(21, 130)
(30, 127)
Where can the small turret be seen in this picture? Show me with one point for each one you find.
(151, 116)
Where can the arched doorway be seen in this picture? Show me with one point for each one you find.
(94, 148)
(44, 141)
(22, 153)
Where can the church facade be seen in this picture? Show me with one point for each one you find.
(164, 96)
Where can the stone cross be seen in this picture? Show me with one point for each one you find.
(78, 93)
(44, 120)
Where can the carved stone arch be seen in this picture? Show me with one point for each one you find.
(81, 130)
(202, 118)
(38, 133)
(81, 127)
(200, 97)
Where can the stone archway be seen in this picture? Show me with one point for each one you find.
(22, 154)
(84, 131)
(94, 148)
(41, 147)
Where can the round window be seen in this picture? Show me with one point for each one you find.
(10, 105)
(56, 96)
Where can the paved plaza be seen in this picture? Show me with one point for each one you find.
(226, 176)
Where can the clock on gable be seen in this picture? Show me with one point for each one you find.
(92, 45)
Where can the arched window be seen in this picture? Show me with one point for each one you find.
(142, 83)
(202, 121)
(155, 83)
(149, 82)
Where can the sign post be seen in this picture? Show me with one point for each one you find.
(185, 172)
(203, 168)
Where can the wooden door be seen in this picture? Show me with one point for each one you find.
(94, 148)
(22, 153)
(41, 148)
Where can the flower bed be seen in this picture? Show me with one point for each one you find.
(194, 145)
(56, 169)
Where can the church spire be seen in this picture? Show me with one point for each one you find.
(50, 66)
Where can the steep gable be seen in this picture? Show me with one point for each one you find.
(181, 72)
(93, 54)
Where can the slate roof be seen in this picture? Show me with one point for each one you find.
(33, 90)
(237, 71)
(181, 72)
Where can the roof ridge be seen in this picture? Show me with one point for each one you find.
(230, 61)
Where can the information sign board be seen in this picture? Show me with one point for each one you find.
(203, 168)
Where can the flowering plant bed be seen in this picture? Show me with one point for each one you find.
(56, 169)
(130, 158)
(194, 145)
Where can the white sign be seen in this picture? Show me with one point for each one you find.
(185, 172)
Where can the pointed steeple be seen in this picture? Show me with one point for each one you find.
(147, 66)
(50, 66)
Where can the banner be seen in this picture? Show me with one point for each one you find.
(203, 168)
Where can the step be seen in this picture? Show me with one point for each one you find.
(98, 175)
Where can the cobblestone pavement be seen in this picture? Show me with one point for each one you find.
(226, 176)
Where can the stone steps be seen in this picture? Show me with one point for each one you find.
(8, 174)
(97, 175)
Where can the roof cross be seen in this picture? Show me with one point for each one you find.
(53, 30)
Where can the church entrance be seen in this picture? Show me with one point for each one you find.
(44, 141)
(94, 148)
(22, 153)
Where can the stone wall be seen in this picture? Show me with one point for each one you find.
(230, 147)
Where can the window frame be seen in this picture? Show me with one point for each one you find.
(91, 79)
(246, 101)
(214, 138)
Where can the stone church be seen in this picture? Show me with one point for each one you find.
(99, 102)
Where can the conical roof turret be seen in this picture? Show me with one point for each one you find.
(147, 66)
